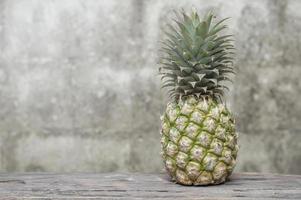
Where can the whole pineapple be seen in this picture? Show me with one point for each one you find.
(199, 142)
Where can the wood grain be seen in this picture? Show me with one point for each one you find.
(144, 186)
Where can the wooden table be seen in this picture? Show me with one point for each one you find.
(144, 186)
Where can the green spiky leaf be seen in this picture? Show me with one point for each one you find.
(197, 57)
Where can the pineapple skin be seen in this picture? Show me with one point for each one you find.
(199, 142)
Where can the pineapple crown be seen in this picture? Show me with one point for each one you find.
(197, 59)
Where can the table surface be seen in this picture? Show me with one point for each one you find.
(144, 186)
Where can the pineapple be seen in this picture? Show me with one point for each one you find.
(199, 142)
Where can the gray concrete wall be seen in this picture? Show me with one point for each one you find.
(79, 89)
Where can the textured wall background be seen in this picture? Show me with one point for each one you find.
(79, 91)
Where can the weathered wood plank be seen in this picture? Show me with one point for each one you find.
(144, 186)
